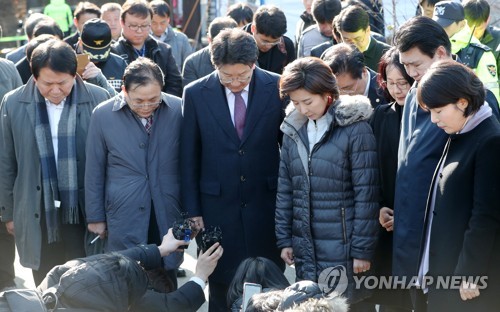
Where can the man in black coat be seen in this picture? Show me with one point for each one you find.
(230, 155)
(353, 77)
(136, 42)
(268, 28)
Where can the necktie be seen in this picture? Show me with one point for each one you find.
(240, 111)
(149, 124)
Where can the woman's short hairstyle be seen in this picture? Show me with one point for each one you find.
(448, 81)
(141, 72)
(56, 55)
(233, 46)
(345, 58)
(258, 270)
(391, 58)
(310, 74)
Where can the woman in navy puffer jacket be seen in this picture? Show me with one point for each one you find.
(327, 202)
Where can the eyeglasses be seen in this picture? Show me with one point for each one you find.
(350, 90)
(266, 43)
(228, 80)
(400, 84)
(141, 27)
(145, 105)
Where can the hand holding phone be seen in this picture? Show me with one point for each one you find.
(82, 62)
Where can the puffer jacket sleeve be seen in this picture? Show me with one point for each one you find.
(284, 201)
(363, 161)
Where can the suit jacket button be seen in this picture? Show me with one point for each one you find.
(243, 179)
(36, 215)
(141, 208)
(38, 187)
(241, 152)
(142, 145)
(243, 205)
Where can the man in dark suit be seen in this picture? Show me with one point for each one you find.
(353, 77)
(230, 155)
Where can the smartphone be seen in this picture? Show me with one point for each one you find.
(82, 61)
(249, 289)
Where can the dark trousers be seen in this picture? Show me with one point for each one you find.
(154, 238)
(217, 296)
(8, 253)
(419, 300)
(70, 247)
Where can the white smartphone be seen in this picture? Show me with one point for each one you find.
(249, 289)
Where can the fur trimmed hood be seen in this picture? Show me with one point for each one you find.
(347, 110)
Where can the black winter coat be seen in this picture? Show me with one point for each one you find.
(161, 54)
(465, 230)
(327, 203)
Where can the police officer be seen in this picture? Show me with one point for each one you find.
(479, 57)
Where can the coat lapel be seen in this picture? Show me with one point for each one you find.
(213, 94)
(258, 95)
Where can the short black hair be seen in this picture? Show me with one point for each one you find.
(56, 55)
(423, 33)
(86, 7)
(476, 11)
(33, 44)
(352, 19)
(220, 23)
(48, 27)
(324, 11)
(160, 8)
(234, 46)
(140, 8)
(141, 72)
(32, 21)
(270, 21)
(242, 13)
(345, 58)
(448, 81)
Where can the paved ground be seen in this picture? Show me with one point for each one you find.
(25, 279)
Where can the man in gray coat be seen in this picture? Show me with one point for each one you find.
(43, 129)
(132, 178)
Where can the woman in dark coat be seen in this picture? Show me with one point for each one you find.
(461, 240)
(386, 124)
(326, 209)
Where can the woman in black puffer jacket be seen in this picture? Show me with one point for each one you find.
(327, 202)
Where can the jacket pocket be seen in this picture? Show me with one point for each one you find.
(210, 188)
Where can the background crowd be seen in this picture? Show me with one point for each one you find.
(336, 148)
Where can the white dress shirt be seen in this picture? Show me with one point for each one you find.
(54, 112)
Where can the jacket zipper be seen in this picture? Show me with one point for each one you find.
(343, 225)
